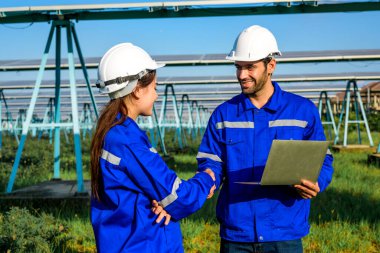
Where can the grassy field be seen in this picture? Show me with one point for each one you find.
(344, 218)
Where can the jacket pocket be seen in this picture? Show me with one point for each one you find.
(234, 149)
(288, 133)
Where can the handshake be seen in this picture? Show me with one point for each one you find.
(212, 175)
(160, 211)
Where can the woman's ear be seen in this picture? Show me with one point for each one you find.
(137, 92)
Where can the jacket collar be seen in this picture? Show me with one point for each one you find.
(127, 120)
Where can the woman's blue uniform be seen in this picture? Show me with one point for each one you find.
(134, 174)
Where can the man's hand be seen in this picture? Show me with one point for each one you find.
(307, 189)
(212, 175)
(160, 211)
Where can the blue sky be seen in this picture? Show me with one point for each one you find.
(295, 32)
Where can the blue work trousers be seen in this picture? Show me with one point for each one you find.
(292, 246)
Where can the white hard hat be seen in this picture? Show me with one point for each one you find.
(121, 67)
(254, 43)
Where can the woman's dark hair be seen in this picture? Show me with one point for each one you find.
(106, 121)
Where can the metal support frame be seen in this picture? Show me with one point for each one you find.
(188, 124)
(150, 123)
(8, 119)
(177, 9)
(325, 112)
(86, 120)
(84, 69)
(57, 105)
(1, 115)
(21, 116)
(162, 142)
(197, 122)
(204, 116)
(163, 119)
(56, 26)
(346, 111)
(155, 131)
(47, 120)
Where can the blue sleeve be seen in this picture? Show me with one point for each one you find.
(314, 131)
(149, 172)
(210, 153)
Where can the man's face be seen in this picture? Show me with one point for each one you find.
(252, 76)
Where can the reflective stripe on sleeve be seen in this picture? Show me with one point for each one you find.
(211, 156)
(153, 150)
(110, 157)
(237, 124)
(288, 122)
(173, 195)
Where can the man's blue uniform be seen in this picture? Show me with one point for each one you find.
(236, 145)
(133, 175)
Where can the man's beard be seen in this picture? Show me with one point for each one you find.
(257, 85)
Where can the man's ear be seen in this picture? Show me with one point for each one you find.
(271, 66)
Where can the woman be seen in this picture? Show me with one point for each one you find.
(127, 173)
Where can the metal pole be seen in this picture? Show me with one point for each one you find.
(348, 94)
(365, 121)
(368, 99)
(83, 65)
(51, 116)
(341, 113)
(162, 118)
(177, 120)
(356, 94)
(159, 132)
(57, 105)
(74, 106)
(332, 117)
(1, 115)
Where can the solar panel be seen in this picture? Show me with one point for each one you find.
(177, 9)
(208, 59)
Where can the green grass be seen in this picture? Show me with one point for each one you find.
(344, 218)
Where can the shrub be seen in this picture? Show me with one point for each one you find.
(374, 121)
(20, 231)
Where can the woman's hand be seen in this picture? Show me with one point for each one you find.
(160, 211)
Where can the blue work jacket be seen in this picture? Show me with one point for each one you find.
(236, 145)
(133, 175)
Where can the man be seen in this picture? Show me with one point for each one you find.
(236, 145)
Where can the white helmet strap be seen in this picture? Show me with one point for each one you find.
(121, 79)
(124, 91)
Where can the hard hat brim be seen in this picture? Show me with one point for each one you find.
(155, 66)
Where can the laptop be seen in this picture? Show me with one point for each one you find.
(289, 161)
